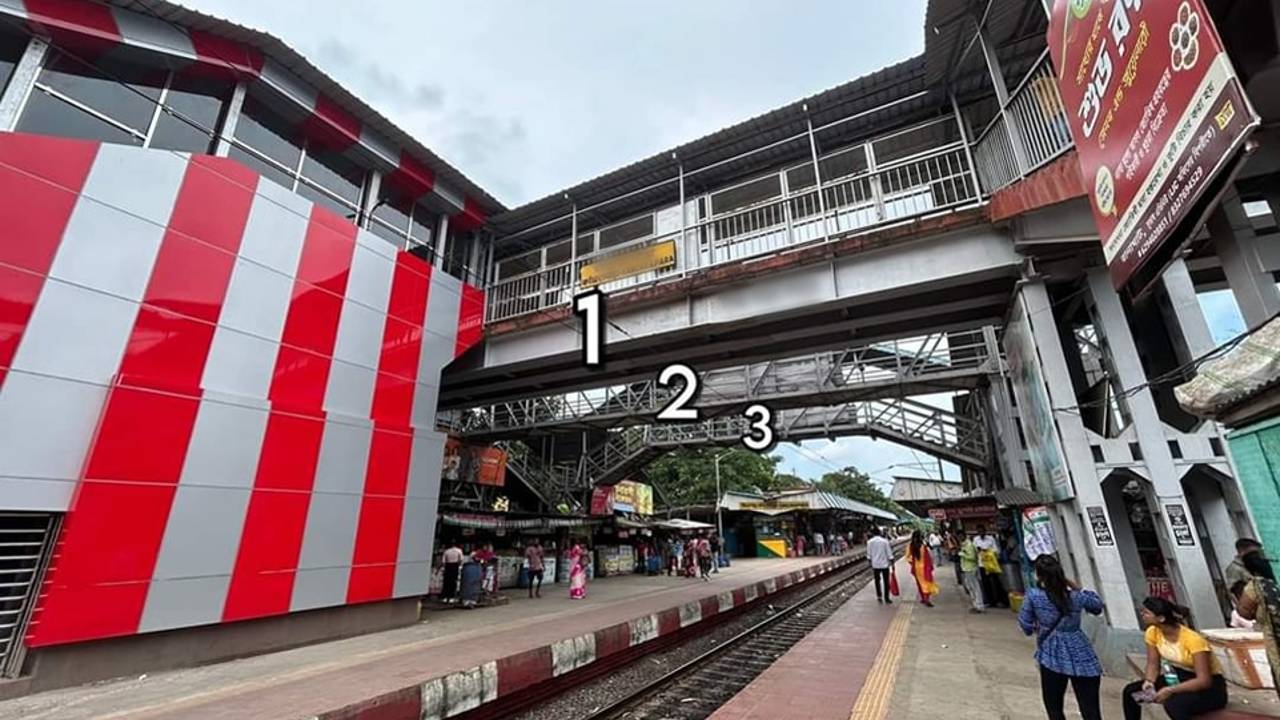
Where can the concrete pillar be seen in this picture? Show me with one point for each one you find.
(1237, 245)
(1184, 313)
(1192, 571)
(1002, 418)
(1111, 583)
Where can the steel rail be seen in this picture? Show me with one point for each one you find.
(859, 570)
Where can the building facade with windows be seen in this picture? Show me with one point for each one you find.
(228, 289)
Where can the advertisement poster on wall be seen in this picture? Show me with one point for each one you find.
(491, 466)
(633, 497)
(1101, 528)
(1043, 444)
(1158, 117)
(1037, 532)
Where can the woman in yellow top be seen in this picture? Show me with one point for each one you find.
(1173, 648)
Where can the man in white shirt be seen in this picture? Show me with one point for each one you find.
(993, 590)
(880, 554)
(452, 559)
(934, 541)
(819, 543)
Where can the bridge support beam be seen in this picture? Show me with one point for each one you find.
(1107, 570)
(1187, 563)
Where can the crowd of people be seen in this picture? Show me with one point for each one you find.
(1180, 674)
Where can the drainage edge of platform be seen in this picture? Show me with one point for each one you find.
(494, 688)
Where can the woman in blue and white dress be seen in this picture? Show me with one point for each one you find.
(1052, 613)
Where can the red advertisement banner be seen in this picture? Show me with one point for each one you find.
(1157, 114)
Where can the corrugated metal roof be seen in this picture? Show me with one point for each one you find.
(890, 84)
(1236, 378)
(289, 58)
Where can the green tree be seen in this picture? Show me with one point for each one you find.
(688, 477)
(787, 481)
(856, 485)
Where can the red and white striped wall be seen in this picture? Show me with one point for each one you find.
(93, 29)
(229, 390)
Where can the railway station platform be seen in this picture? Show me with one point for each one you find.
(455, 660)
(906, 661)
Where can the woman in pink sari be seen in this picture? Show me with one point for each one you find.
(577, 572)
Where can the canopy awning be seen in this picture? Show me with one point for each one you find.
(681, 524)
(800, 501)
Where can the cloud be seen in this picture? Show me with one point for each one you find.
(373, 82)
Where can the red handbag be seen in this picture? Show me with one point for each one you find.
(893, 581)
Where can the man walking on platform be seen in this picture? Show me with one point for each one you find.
(969, 573)
(880, 554)
(533, 556)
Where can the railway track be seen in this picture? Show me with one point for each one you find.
(696, 689)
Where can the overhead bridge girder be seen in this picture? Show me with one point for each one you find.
(941, 433)
(939, 362)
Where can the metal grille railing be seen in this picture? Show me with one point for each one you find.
(863, 368)
(1029, 131)
(931, 181)
(26, 541)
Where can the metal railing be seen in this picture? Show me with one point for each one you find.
(921, 184)
(1028, 132)
(934, 361)
(942, 433)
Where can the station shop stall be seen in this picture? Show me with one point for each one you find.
(768, 525)
(509, 534)
(1019, 520)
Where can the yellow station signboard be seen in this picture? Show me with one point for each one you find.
(658, 256)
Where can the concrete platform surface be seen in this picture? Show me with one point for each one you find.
(454, 660)
(905, 662)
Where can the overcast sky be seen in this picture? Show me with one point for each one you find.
(528, 97)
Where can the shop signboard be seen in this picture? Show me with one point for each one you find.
(1037, 532)
(452, 459)
(633, 261)
(1101, 528)
(774, 505)
(624, 497)
(644, 499)
(1180, 524)
(1034, 408)
(1158, 117)
(984, 509)
(602, 502)
(491, 466)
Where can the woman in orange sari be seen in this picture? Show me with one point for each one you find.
(919, 557)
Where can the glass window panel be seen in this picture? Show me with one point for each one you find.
(392, 209)
(744, 195)
(334, 172)
(424, 225)
(456, 262)
(799, 178)
(321, 197)
(558, 253)
(847, 163)
(124, 92)
(262, 167)
(382, 231)
(267, 132)
(48, 115)
(12, 45)
(586, 244)
(626, 232)
(196, 105)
